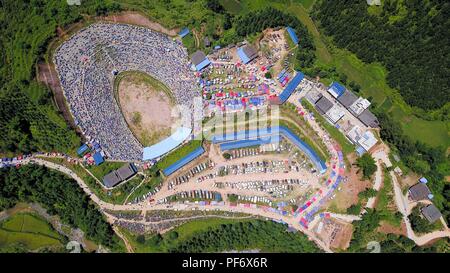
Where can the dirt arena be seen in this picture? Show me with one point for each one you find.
(147, 108)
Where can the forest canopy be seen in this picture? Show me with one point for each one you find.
(410, 38)
(59, 194)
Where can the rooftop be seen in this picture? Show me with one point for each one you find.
(347, 99)
(247, 53)
(368, 119)
(198, 57)
(431, 213)
(323, 105)
(123, 173)
(419, 192)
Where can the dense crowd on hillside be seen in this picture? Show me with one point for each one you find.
(87, 64)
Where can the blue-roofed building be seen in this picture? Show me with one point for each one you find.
(249, 142)
(290, 88)
(184, 32)
(261, 134)
(360, 150)
(336, 89)
(182, 162)
(292, 34)
(199, 60)
(247, 53)
(82, 150)
(98, 158)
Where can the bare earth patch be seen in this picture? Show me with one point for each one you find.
(387, 228)
(136, 18)
(348, 193)
(147, 109)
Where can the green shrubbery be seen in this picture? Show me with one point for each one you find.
(59, 195)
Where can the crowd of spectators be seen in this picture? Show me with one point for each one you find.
(88, 64)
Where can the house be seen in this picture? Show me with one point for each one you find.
(247, 53)
(123, 173)
(431, 213)
(323, 105)
(207, 42)
(369, 119)
(419, 192)
(199, 60)
(347, 99)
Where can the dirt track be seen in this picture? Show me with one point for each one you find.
(49, 77)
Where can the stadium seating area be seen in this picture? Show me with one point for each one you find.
(87, 64)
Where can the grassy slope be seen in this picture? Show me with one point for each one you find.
(177, 154)
(372, 79)
(29, 230)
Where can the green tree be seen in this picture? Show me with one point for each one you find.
(366, 163)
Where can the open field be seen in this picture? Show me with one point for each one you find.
(29, 231)
(147, 107)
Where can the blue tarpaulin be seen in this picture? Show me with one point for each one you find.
(185, 160)
(292, 34)
(281, 74)
(290, 88)
(168, 144)
(184, 32)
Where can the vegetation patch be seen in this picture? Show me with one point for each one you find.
(30, 232)
(216, 235)
(179, 153)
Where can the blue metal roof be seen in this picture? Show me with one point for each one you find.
(360, 150)
(98, 158)
(167, 144)
(320, 165)
(184, 32)
(82, 149)
(336, 89)
(292, 34)
(242, 135)
(185, 160)
(203, 64)
(249, 142)
(263, 133)
(244, 58)
(290, 88)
